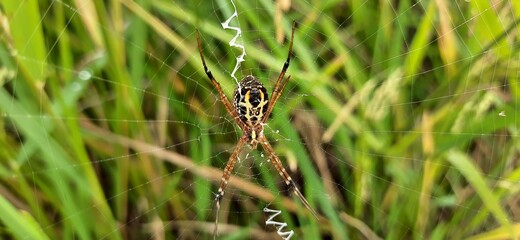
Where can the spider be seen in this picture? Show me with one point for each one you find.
(250, 110)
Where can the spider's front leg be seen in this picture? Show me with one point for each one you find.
(216, 84)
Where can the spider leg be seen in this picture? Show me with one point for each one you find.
(281, 170)
(280, 83)
(216, 84)
(225, 177)
(275, 98)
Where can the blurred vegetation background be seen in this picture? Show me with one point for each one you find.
(401, 119)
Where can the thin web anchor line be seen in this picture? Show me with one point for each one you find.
(233, 41)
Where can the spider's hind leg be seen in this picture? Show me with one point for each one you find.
(297, 192)
(283, 173)
(218, 198)
(225, 178)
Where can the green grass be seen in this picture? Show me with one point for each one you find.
(400, 121)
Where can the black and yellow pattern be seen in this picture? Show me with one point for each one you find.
(251, 101)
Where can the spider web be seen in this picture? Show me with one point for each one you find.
(113, 131)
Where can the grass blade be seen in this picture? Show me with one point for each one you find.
(474, 176)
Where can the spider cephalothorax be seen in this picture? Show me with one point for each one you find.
(250, 110)
(251, 101)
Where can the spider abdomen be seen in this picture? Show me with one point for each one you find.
(251, 101)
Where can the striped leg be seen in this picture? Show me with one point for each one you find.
(285, 176)
(225, 178)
